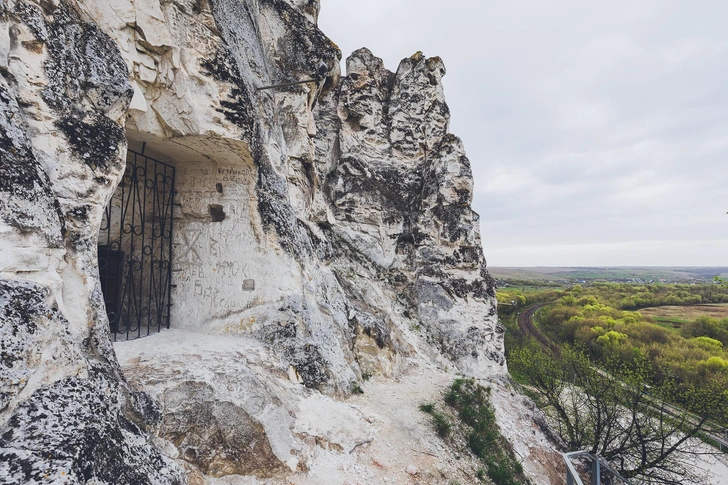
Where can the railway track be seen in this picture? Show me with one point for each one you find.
(526, 326)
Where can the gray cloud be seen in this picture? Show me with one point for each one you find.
(598, 133)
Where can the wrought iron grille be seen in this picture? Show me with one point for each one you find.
(135, 248)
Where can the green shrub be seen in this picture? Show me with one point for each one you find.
(471, 401)
(442, 424)
(440, 420)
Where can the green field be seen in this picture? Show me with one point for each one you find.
(685, 313)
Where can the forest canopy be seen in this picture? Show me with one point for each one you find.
(603, 320)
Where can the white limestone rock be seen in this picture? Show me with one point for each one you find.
(403, 199)
(67, 414)
(323, 228)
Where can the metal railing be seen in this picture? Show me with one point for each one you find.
(597, 465)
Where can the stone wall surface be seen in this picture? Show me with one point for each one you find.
(323, 231)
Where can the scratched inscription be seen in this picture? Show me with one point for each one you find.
(196, 178)
(234, 174)
(221, 272)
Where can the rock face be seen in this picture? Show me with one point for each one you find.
(325, 227)
(401, 191)
(217, 436)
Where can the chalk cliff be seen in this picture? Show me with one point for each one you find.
(322, 235)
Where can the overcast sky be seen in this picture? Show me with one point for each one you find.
(597, 131)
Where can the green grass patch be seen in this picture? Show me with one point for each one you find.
(442, 423)
(671, 320)
(427, 408)
(672, 324)
(474, 419)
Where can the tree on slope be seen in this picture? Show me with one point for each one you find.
(620, 417)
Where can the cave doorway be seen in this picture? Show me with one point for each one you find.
(135, 248)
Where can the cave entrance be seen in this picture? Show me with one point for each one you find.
(135, 248)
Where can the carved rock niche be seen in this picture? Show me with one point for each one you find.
(165, 252)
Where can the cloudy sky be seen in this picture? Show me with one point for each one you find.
(597, 131)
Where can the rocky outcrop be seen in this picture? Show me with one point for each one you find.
(67, 414)
(401, 192)
(216, 436)
(325, 228)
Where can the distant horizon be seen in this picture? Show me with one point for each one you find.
(641, 273)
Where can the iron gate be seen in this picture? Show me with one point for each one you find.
(135, 248)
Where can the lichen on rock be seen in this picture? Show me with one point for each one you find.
(28, 202)
(74, 431)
